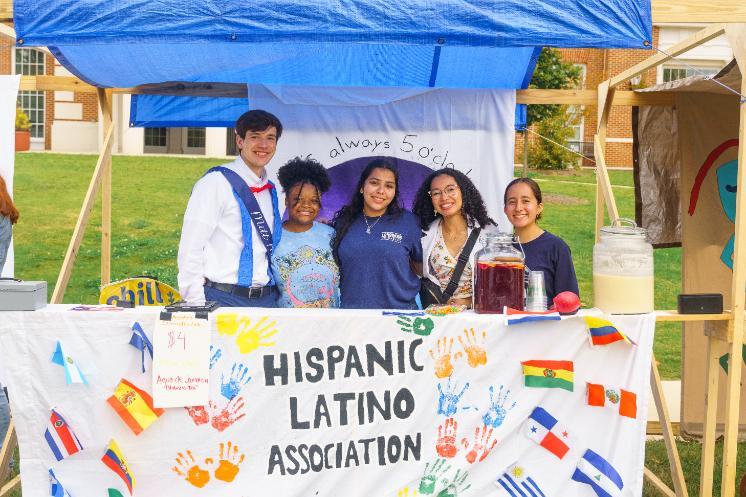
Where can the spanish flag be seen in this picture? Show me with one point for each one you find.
(114, 460)
(604, 332)
(134, 406)
(548, 374)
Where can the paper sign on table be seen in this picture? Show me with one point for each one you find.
(181, 361)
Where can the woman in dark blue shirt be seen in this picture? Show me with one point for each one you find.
(377, 243)
(544, 251)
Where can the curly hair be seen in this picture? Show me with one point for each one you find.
(345, 216)
(472, 207)
(302, 171)
(535, 189)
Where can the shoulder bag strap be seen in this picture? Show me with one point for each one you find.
(463, 258)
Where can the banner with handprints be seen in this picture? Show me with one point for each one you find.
(355, 403)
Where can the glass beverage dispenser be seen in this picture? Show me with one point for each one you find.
(499, 275)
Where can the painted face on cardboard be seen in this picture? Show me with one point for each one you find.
(378, 191)
(258, 147)
(303, 203)
(446, 195)
(522, 208)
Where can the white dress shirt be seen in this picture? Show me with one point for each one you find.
(212, 237)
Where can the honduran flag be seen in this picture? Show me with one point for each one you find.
(55, 487)
(596, 471)
(516, 482)
(72, 372)
(603, 332)
(541, 427)
(134, 406)
(540, 373)
(514, 316)
(60, 437)
(621, 400)
(114, 460)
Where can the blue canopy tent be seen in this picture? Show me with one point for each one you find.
(417, 43)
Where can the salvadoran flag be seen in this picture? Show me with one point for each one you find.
(596, 471)
(72, 372)
(55, 487)
(516, 482)
(60, 437)
(514, 316)
(541, 427)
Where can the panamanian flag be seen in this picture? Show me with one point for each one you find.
(516, 482)
(542, 428)
(60, 437)
(597, 472)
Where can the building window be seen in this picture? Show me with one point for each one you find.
(676, 73)
(196, 137)
(576, 118)
(155, 137)
(30, 62)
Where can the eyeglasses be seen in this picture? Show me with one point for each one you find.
(450, 191)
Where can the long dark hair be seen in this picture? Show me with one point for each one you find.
(535, 189)
(345, 216)
(472, 204)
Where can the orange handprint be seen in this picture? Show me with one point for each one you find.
(481, 443)
(446, 444)
(443, 366)
(187, 467)
(476, 355)
(229, 463)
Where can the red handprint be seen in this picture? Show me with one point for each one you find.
(446, 444)
(481, 443)
(198, 414)
(229, 414)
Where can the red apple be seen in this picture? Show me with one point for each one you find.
(566, 303)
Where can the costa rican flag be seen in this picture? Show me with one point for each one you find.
(61, 438)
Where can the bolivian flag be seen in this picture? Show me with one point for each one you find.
(114, 460)
(548, 374)
(134, 406)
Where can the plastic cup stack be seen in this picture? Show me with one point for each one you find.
(536, 297)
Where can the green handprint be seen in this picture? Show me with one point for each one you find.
(418, 326)
(456, 486)
(431, 475)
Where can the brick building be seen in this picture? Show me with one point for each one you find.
(67, 121)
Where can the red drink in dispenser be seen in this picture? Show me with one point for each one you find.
(498, 284)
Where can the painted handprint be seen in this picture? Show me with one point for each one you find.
(187, 468)
(476, 355)
(230, 460)
(404, 492)
(456, 486)
(198, 414)
(418, 326)
(215, 357)
(432, 474)
(252, 337)
(496, 413)
(228, 415)
(443, 365)
(447, 433)
(231, 386)
(480, 447)
(448, 399)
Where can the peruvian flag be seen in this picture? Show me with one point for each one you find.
(623, 401)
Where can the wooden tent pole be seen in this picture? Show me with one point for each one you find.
(733, 389)
(7, 449)
(105, 102)
(80, 226)
(709, 430)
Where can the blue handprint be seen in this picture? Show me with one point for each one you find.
(448, 399)
(495, 415)
(214, 358)
(231, 386)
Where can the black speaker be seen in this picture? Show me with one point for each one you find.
(700, 303)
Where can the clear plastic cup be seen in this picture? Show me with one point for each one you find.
(536, 296)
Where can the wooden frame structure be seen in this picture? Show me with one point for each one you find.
(730, 334)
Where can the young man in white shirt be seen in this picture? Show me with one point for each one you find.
(232, 222)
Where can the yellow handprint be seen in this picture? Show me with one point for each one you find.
(252, 337)
(404, 492)
(228, 324)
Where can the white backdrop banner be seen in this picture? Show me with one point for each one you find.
(8, 96)
(344, 128)
(328, 403)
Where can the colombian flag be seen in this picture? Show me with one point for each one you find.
(548, 374)
(603, 332)
(134, 406)
(115, 461)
